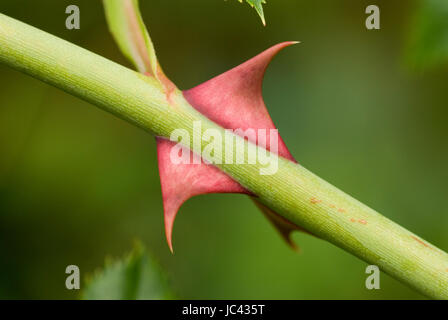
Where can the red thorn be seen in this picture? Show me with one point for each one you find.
(234, 101)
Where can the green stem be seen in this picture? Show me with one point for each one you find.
(294, 192)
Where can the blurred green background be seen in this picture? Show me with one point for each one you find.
(77, 184)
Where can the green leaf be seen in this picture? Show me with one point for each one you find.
(127, 26)
(135, 277)
(428, 45)
(258, 5)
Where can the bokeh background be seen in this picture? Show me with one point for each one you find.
(357, 107)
